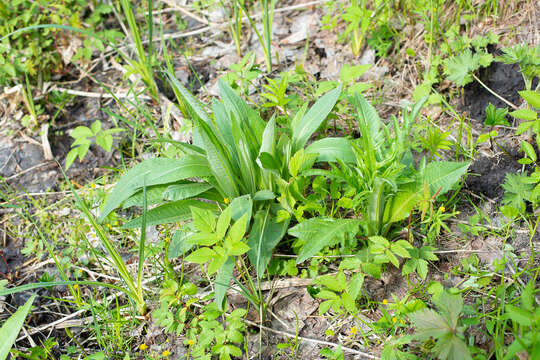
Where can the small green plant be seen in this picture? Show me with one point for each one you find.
(359, 20)
(242, 74)
(338, 293)
(527, 57)
(443, 327)
(84, 136)
(495, 116)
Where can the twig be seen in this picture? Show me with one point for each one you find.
(186, 12)
(29, 169)
(316, 341)
(494, 93)
(100, 95)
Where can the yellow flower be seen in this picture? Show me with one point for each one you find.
(226, 200)
(443, 209)
(354, 330)
(93, 186)
(166, 353)
(143, 347)
(394, 320)
(385, 301)
(190, 342)
(76, 287)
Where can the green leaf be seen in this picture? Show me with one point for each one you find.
(170, 212)
(321, 232)
(443, 175)
(528, 150)
(71, 156)
(179, 244)
(459, 68)
(400, 248)
(201, 255)
(105, 141)
(240, 206)
(185, 191)
(154, 172)
(428, 324)
(311, 121)
(354, 287)
(518, 315)
(531, 97)
(154, 195)
(301, 161)
(195, 108)
(12, 326)
(401, 204)
(238, 229)
(204, 220)
(524, 114)
(265, 234)
(223, 222)
(451, 347)
(219, 161)
(332, 149)
(263, 195)
(223, 279)
(236, 248)
(450, 306)
(81, 132)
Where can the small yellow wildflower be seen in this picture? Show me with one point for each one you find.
(143, 347)
(354, 330)
(190, 342)
(76, 287)
(115, 223)
(394, 320)
(167, 239)
(226, 200)
(109, 226)
(443, 209)
(385, 301)
(93, 186)
(166, 353)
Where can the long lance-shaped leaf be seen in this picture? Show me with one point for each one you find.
(219, 161)
(155, 171)
(370, 125)
(41, 285)
(170, 212)
(223, 278)
(264, 237)
(248, 119)
(311, 121)
(321, 232)
(193, 105)
(11, 328)
(117, 259)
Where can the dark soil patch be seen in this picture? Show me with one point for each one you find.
(487, 174)
(504, 79)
